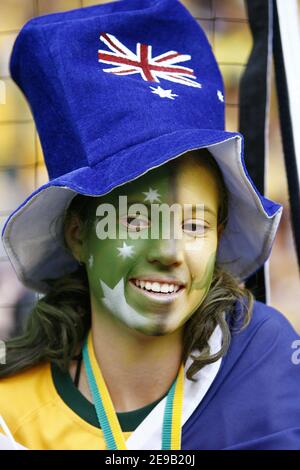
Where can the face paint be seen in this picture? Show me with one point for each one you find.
(154, 285)
(205, 281)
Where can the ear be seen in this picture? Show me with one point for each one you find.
(73, 232)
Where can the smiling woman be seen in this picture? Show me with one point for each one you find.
(153, 289)
(154, 264)
(145, 337)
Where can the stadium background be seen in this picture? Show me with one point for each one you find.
(21, 161)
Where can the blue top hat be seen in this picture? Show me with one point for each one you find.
(115, 90)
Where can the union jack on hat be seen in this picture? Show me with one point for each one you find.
(115, 90)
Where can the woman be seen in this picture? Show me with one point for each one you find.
(176, 353)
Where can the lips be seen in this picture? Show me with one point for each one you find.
(161, 288)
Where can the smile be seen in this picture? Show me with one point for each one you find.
(159, 290)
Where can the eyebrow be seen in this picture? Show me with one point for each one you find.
(146, 203)
(209, 210)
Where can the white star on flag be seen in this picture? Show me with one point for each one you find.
(163, 93)
(126, 251)
(151, 195)
(220, 96)
(164, 66)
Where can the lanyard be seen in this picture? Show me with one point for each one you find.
(113, 435)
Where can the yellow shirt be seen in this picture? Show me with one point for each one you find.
(40, 419)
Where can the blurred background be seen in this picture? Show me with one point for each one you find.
(21, 160)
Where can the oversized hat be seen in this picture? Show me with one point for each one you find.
(116, 90)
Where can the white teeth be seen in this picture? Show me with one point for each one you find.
(156, 286)
(165, 288)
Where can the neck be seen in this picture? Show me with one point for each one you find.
(137, 369)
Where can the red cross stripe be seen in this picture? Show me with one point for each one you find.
(150, 68)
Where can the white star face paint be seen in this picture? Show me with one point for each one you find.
(154, 285)
(115, 301)
(126, 251)
(91, 261)
(152, 195)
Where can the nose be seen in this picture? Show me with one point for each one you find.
(165, 252)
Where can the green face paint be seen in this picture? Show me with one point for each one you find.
(206, 279)
(154, 285)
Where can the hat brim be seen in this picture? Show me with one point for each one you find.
(33, 233)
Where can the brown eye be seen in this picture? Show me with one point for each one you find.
(135, 223)
(194, 227)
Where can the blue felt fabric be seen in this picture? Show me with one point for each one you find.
(85, 115)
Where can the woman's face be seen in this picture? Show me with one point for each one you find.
(155, 282)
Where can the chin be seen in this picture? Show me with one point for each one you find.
(153, 330)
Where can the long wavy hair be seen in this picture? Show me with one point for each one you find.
(56, 328)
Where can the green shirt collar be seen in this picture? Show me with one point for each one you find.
(73, 398)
